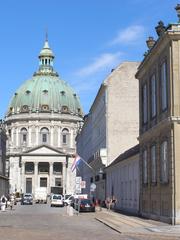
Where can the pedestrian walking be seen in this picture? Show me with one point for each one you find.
(108, 203)
(3, 203)
(11, 203)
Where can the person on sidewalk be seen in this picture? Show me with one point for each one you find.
(11, 203)
(114, 201)
(3, 203)
(108, 203)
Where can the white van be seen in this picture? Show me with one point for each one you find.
(57, 200)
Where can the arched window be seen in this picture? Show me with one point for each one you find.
(44, 135)
(65, 136)
(24, 136)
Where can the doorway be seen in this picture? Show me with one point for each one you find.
(29, 185)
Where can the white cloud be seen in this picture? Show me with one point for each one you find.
(129, 35)
(103, 61)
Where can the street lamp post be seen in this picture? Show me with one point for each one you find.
(93, 186)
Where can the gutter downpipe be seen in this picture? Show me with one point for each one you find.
(174, 179)
(172, 137)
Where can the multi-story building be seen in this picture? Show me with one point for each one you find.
(111, 127)
(159, 136)
(42, 121)
(4, 187)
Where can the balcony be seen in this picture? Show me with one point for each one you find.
(57, 173)
(41, 171)
(29, 172)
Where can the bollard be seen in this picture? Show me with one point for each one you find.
(3, 207)
(67, 209)
(71, 211)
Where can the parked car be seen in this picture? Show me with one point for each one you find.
(57, 200)
(84, 205)
(27, 199)
(69, 200)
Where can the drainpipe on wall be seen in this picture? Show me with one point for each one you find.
(174, 175)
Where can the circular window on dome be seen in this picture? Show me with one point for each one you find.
(62, 93)
(79, 111)
(28, 92)
(25, 108)
(45, 108)
(64, 109)
(45, 91)
(10, 110)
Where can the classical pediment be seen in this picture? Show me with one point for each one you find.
(44, 150)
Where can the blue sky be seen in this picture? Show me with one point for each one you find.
(89, 38)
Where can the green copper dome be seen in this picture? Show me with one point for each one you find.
(45, 92)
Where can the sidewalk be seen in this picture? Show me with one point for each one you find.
(135, 225)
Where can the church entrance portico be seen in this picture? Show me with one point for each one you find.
(44, 167)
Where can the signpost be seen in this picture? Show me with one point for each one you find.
(78, 184)
(83, 184)
(92, 187)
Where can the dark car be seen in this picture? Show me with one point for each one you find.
(27, 199)
(84, 205)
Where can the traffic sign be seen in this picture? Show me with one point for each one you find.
(78, 184)
(83, 184)
(92, 187)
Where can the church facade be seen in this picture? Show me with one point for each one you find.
(42, 122)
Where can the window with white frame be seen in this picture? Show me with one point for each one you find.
(145, 167)
(153, 95)
(164, 102)
(23, 136)
(144, 103)
(164, 161)
(58, 182)
(153, 164)
(65, 136)
(44, 135)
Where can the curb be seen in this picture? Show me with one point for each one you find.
(150, 233)
(108, 225)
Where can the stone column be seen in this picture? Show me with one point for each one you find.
(23, 177)
(50, 176)
(64, 178)
(52, 136)
(59, 136)
(35, 176)
(12, 136)
(37, 135)
(17, 137)
(71, 138)
(29, 136)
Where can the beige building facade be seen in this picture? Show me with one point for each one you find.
(122, 181)
(159, 136)
(111, 126)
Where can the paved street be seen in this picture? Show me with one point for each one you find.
(41, 222)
